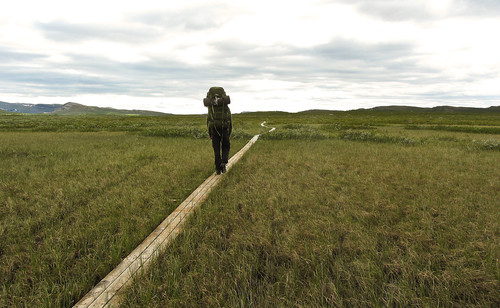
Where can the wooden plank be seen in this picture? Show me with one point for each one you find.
(107, 292)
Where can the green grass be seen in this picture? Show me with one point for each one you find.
(74, 204)
(339, 223)
(189, 126)
(377, 118)
(375, 137)
(94, 123)
(466, 139)
(331, 209)
(453, 128)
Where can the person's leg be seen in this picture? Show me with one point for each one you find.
(226, 145)
(216, 141)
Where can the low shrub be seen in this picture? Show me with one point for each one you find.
(240, 135)
(339, 127)
(489, 144)
(191, 132)
(301, 132)
(173, 132)
(452, 128)
(375, 137)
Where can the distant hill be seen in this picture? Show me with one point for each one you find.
(78, 109)
(449, 109)
(263, 113)
(317, 111)
(70, 109)
(28, 108)
(435, 109)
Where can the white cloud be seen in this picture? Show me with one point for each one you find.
(269, 55)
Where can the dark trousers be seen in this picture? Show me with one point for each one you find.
(220, 140)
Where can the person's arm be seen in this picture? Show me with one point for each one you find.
(209, 130)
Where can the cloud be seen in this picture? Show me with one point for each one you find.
(478, 8)
(394, 10)
(338, 59)
(425, 10)
(313, 73)
(367, 54)
(204, 17)
(53, 83)
(63, 31)
(331, 53)
(82, 74)
(13, 56)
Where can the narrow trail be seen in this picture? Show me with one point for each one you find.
(263, 124)
(107, 292)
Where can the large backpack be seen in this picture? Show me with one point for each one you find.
(219, 114)
(216, 96)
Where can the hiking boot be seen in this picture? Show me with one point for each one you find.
(223, 167)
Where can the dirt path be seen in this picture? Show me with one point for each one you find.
(107, 292)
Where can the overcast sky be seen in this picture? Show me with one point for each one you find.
(268, 55)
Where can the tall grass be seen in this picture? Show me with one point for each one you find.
(297, 132)
(191, 132)
(453, 128)
(331, 209)
(488, 144)
(92, 123)
(339, 223)
(381, 134)
(72, 205)
(375, 137)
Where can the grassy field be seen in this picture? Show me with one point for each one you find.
(73, 204)
(342, 214)
(332, 209)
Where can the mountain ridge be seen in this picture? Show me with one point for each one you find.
(396, 108)
(72, 108)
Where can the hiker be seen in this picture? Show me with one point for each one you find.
(219, 124)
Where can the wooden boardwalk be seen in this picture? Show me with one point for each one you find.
(107, 292)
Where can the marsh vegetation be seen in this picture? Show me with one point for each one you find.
(332, 209)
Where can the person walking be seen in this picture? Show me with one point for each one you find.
(220, 125)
